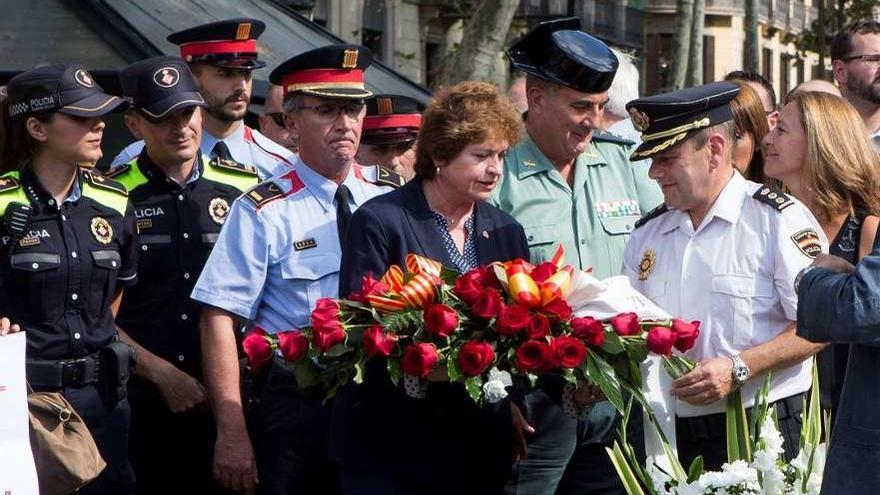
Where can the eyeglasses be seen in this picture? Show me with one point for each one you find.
(868, 58)
(277, 117)
(329, 113)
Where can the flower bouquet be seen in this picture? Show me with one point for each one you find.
(489, 328)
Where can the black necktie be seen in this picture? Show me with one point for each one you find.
(221, 151)
(343, 212)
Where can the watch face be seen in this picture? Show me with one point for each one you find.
(742, 374)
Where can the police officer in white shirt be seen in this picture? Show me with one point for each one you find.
(724, 251)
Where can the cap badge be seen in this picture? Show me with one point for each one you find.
(83, 77)
(640, 121)
(244, 31)
(385, 106)
(166, 77)
(646, 266)
(350, 59)
(218, 208)
(102, 230)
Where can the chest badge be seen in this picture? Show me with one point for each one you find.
(646, 266)
(218, 208)
(102, 230)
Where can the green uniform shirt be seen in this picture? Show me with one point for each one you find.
(593, 218)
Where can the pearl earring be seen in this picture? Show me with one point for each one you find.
(438, 170)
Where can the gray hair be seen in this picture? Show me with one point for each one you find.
(625, 86)
(292, 101)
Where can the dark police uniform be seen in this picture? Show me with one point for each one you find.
(60, 268)
(178, 225)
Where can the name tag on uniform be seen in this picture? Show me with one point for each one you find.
(619, 208)
(305, 244)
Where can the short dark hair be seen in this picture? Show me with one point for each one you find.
(842, 45)
(750, 76)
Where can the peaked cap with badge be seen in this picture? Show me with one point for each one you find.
(670, 118)
(334, 71)
(392, 119)
(159, 87)
(231, 43)
(67, 89)
(559, 52)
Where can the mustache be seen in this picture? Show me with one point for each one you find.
(238, 95)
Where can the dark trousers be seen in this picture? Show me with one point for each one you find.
(567, 455)
(289, 432)
(108, 425)
(170, 453)
(707, 436)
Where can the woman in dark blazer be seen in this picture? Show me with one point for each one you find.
(384, 441)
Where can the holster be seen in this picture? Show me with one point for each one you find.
(117, 364)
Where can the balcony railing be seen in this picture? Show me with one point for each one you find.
(797, 23)
(713, 7)
(781, 13)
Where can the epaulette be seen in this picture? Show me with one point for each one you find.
(773, 197)
(647, 217)
(117, 171)
(612, 138)
(227, 164)
(8, 183)
(387, 177)
(263, 193)
(102, 182)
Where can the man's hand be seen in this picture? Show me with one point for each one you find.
(833, 263)
(709, 381)
(521, 428)
(180, 391)
(235, 466)
(6, 326)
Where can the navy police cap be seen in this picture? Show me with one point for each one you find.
(231, 43)
(160, 86)
(559, 52)
(392, 119)
(68, 89)
(334, 71)
(669, 118)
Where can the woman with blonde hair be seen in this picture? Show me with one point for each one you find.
(751, 127)
(821, 151)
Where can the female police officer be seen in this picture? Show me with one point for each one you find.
(67, 248)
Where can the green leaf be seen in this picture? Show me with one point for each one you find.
(359, 371)
(568, 375)
(624, 471)
(636, 349)
(695, 470)
(452, 367)
(739, 444)
(305, 373)
(612, 343)
(394, 371)
(337, 350)
(474, 387)
(602, 374)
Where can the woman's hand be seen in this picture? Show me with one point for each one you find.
(7, 327)
(521, 428)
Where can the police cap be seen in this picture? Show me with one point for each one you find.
(230, 44)
(334, 71)
(669, 118)
(392, 119)
(68, 89)
(559, 52)
(160, 86)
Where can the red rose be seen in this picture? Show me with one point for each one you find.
(326, 311)
(534, 356)
(685, 334)
(588, 329)
(559, 308)
(489, 304)
(419, 359)
(369, 286)
(468, 288)
(257, 348)
(512, 320)
(293, 345)
(379, 343)
(539, 326)
(569, 351)
(542, 272)
(475, 357)
(660, 340)
(440, 320)
(326, 336)
(488, 278)
(626, 324)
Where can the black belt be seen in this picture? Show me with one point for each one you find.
(715, 425)
(64, 372)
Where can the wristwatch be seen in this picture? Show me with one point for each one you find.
(740, 371)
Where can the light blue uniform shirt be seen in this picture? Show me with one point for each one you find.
(278, 252)
(246, 146)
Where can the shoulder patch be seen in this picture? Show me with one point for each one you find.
(647, 217)
(264, 193)
(8, 183)
(807, 241)
(103, 182)
(116, 171)
(611, 137)
(233, 165)
(387, 177)
(773, 197)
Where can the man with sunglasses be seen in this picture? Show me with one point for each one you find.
(278, 253)
(222, 56)
(272, 120)
(855, 59)
(390, 130)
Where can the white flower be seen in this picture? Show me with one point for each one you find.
(814, 484)
(493, 389)
(819, 459)
(658, 477)
(771, 439)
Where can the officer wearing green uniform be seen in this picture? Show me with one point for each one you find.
(569, 183)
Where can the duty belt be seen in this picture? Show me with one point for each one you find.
(63, 373)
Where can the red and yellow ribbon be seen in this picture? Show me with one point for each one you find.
(417, 292)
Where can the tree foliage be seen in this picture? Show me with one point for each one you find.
(835, 19)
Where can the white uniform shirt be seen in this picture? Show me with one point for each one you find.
(734, 274)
